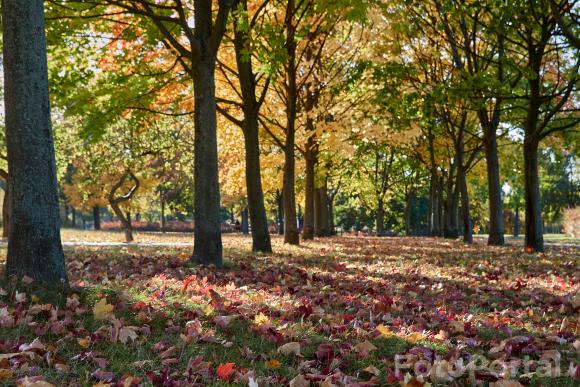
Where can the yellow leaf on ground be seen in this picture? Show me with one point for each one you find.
(384, 331)
(261, 319)
(84, 343)
(102, 310)
(5, 374)
(272, 364)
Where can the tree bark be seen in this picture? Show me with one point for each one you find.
(408, 212)
(250, 127)
(115, 201)
(97, 217)
(74, 217)
(380, 217)
(280, 212)
(245, 225)
(34, 244)
(6, 213)
(260, 235)
(451, 230)
(207, 247)
(163, 220)
(516, 230)
(533, 224)
(309, 192)
(466, 213)
(291, 235)
(322, 220)
(496, 226)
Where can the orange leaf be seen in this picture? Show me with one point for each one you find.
(225, 371)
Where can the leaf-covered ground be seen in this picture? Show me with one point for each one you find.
(340, 311)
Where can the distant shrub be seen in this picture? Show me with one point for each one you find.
(572, 221)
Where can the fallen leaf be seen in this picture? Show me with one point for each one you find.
(273, 364)
(299, 381)
(364, 348)
(225, 371)
(84, 343)
(372, 370)
(384, 331)
(102, 310)
(261, 319)
(288, 348)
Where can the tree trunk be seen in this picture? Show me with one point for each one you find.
(290, 228)
(280, 212)
(440, 206)
(34, 244)
(408, 212)
(124, 219)
(309, 192)
(533, 223)
(451, 229)
(163, 220)
(322, 223)
(250, 127)
(97, 217)
(496, 226)
(331, 214)
(245, 225)
(380, 218)
(207, 233)
(516, 230)
(74, 217)
(6, 213)
(258, 219)
(466, 213)
(115, 201)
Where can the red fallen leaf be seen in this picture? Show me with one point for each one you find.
(305, 309)
(140, 306)
(225, 371)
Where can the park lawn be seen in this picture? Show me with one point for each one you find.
(334, 311)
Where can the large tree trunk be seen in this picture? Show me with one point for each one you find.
(309, 192)
(97, 217)
(207, 233)
(250, 126)
(5, 205)
(496, 226)
(34, 245)
(533, 223)
(291, 235)
(6, 212)
(258, 219)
